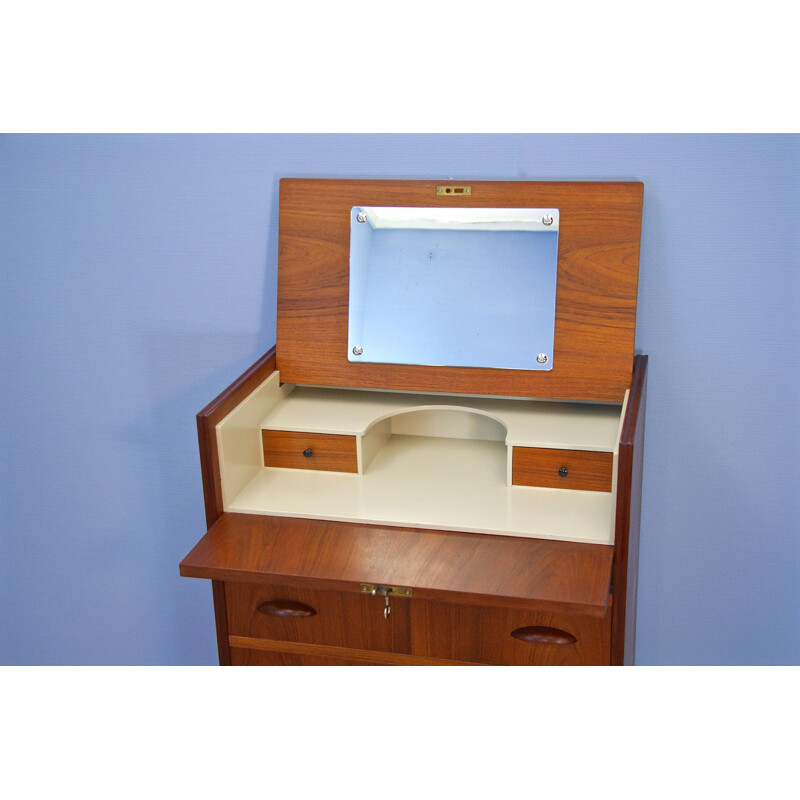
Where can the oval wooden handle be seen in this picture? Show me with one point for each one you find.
(537, 634)
(286, 608)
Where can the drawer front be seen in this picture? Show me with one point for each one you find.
(328, 618)
(509, 636)
(298, 450)
(243, 657)
(562, 469)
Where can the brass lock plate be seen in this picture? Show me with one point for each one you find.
(377, 588)
(453, 190)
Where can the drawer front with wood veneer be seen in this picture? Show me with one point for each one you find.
(508, 636)
(243, 657)
(562, 469)
(314, 617)
(299, 450)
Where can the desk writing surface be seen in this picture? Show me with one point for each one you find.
(422, 482)
(461, 567)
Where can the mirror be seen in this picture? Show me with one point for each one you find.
(459, 287)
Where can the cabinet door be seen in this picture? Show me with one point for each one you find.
(315, 617)
(508, 636)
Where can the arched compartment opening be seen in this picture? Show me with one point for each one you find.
(430, 441)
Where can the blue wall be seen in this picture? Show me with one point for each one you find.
(138, 279)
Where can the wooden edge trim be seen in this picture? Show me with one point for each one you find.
(349, 653)
(230, 397)
(626, 534)
(208, 419)
(421, 593)
(638, 382)
(221, 619)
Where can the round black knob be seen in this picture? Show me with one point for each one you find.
(563, 472)
(308, 452)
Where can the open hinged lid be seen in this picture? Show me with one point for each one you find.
(504, 288)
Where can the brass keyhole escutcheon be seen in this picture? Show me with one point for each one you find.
(377, 589)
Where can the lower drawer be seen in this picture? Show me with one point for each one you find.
(509, 636)
(245, 657)
(330, 618)
(281, 625)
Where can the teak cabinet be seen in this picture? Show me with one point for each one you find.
(381, 513)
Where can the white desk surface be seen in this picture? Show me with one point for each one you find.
(431, 482)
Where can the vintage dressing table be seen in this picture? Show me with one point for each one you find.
(440, 461)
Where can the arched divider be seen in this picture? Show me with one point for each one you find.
(439, 421)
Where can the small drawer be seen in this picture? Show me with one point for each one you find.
(299, 450)
(562, 469)
(485, 635)
(335, 619)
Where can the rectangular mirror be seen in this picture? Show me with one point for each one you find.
(459, 287)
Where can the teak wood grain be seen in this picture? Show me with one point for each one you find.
(342, 619)
(471, 568)
(598, 260)
(267, 653)
(221, 622)
(539, 466)
(484, 636)
(471, 592)
(628, 518)
(286, 608)
(328, 451)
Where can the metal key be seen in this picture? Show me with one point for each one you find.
(385, 591)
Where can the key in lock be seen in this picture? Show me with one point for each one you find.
(385, 591)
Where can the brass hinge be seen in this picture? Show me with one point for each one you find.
(376, 588)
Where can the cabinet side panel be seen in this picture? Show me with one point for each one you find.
(629, 501)
(221, 619)
(207, 421)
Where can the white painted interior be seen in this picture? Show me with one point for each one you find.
(453, 423)
(529, 423)
(371, 443)
(425, 461)
(241, 452)
(433, 482)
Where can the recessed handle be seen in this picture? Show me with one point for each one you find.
(286, 608)
(537, 634)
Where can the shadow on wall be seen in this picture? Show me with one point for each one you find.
(184, 375)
